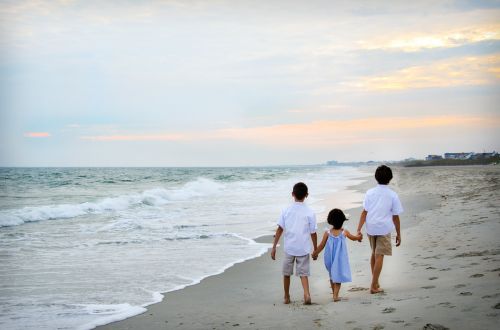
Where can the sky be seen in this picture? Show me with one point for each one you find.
(246, 83)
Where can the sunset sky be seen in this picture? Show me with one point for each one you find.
(235, 83)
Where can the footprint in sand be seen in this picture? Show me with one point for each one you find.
(388, 310)
(497, 306)
(458, 286)
(428, 287)
(433, 278)
(430, 326)
(477, 275)
(357, 288)
(445, 269)
(491, 296)
(465, 293)
(446, 304)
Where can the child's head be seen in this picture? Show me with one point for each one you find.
(383, 174)
(336, 218)
(300, 191)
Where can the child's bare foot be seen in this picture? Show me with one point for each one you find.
(376, 290)
(335, 299)
(286, 301)
(307, 300)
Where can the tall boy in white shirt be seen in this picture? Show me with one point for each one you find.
(381, 209)
(298, 222)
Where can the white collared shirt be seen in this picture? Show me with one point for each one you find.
(381, 203)
(298, 222)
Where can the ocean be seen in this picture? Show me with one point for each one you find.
(81, 247)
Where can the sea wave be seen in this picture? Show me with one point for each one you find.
(151, 197)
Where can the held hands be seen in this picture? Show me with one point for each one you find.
(360, 236)
(314, 255)
(273, 253)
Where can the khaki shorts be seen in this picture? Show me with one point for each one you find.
(381, 244)
(302, 267)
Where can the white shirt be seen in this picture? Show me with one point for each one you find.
(381, 203)
(298, 222)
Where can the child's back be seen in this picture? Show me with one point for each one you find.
(298, 222)
(381, 203)
(336, 257)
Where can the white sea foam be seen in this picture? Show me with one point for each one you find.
(110, 313)
(150, 197)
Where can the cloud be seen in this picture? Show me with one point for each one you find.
(411, 42)
(464, 71)
(318, 133)
(340, 132)
(37, 134)
(135, 137)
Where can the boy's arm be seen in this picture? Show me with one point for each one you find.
(362, 220)
(314, 238)
(321, 245)
(352, 237)
(277, 236)
(395, 219)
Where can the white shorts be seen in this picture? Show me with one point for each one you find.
(302, 267)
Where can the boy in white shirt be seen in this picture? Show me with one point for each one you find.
(298, 222)
(381, 209)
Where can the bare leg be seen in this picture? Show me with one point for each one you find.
(333, 288)
(336, 290)
(377, 269)
(372, 265)
(286, 286)
(305, 286)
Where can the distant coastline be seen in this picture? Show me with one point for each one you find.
(412, 162)
(451, 162)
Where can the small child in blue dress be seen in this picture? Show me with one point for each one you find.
(335, 256)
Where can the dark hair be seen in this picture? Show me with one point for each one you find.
(336, 218)
(300, 190)
(383, 174)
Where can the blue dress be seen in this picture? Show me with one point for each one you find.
(336, 258)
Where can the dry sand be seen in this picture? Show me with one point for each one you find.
(446, 271)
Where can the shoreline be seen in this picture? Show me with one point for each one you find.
(442, 275)
(265, 239)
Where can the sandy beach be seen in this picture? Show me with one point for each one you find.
(444, 275)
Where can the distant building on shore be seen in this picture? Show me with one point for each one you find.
(458, 155)
(467, 155)
(483, 155)
(433, 157)
(336, 163)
